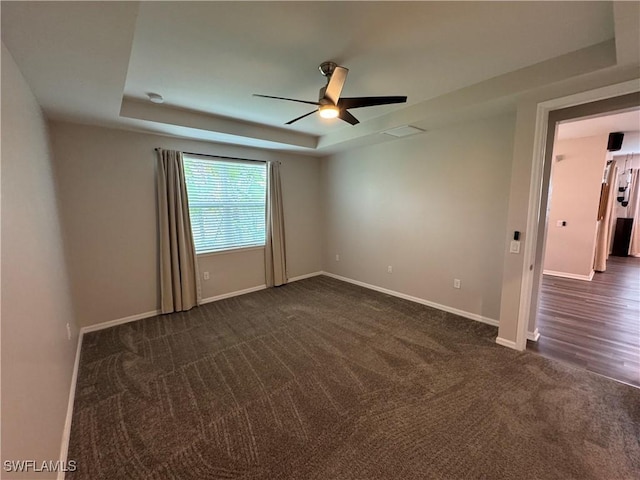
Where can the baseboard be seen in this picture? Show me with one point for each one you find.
(455, 311)
(119, 321)
(153, 313)
(533, 336)
(232, 294)
(573, 276)
(506, 343)
(306, 275)
(140, 316)
(254, 289)
(66, 432)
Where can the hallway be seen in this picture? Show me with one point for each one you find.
(594, 325)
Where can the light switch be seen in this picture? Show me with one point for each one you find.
(514, 247)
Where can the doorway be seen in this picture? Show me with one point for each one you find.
(590, 319)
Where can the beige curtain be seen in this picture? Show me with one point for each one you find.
(634, 212)
(179, 286)
(603, 236)
(274, 252)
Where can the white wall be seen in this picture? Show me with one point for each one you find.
(37, 357)
(432, 206)
(630, 144)
(576, 179)
(108, 206)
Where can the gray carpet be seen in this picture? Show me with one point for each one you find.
(320, 379)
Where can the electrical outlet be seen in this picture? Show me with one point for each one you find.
(68, 332)
(389, 269)
(337, 257)
(456, 283)
(205, 275)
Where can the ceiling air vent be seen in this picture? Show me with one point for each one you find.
(404, 131)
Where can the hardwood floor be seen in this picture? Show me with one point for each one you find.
(594, 325)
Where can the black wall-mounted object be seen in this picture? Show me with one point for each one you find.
(615, 141)
(516, 235)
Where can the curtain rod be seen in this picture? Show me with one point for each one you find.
(219, 156)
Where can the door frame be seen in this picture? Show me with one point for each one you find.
(548, 113)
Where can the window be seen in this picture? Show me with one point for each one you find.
(227, 201)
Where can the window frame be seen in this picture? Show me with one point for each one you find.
(225, 160)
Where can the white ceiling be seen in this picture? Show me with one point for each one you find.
(94, 62)
(627, 122)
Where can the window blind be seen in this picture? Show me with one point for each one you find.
(227, 202)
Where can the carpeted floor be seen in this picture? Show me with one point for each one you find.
(320, 379)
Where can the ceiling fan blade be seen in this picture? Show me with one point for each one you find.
(288, 99)
(358, 102)
(347, 117)
(300, 117)
(336, 82)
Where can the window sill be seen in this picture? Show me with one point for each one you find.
(230, 251)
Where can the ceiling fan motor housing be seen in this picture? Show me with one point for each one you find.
(327, 68)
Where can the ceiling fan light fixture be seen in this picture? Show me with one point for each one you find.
(329, 111)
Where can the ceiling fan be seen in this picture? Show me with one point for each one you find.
(329, 103)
